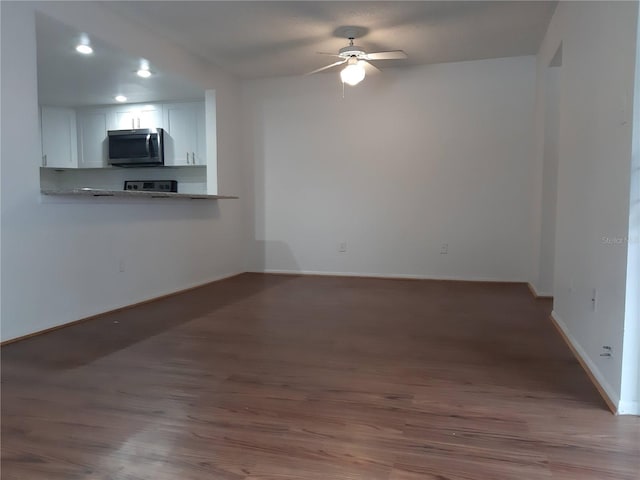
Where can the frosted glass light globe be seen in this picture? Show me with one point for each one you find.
(352, 74)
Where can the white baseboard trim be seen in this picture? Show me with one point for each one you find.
(611, 398)
(91, 316)
(202, 283)
(400, 276)
(538, 294)
(168, 293)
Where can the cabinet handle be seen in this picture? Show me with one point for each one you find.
(138, 122)
(133, 125)
(193, 158)
(187, 158)
(44, 160)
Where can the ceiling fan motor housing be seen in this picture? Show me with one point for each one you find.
(351, 51)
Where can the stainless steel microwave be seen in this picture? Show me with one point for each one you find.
(140, 147)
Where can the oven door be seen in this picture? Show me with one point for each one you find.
(135, 148)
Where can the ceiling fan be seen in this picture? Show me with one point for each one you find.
(357, 60)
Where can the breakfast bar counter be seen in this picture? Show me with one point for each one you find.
(96, 192)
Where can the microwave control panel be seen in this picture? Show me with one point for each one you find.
(151, 185)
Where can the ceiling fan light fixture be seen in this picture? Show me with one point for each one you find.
(353, 73)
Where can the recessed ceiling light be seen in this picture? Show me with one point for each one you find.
(84, 49)
(120, 98)
(144, 73)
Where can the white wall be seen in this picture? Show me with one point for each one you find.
(631, 347)
(60, 260)
(405, 162)
(549, 191)
(598, 60)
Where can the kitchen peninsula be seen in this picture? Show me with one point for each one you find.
(108, 117)
(96, 192)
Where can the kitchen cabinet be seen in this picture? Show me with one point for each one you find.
(59, 137)
(138, 116)
(93, 125)
(78, 138)
(185, 139)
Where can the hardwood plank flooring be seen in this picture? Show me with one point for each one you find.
(265, 377)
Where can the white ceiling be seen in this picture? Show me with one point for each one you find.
(255, 39)
(267, 38)
(66, 78)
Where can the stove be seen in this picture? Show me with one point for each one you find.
(151, 185)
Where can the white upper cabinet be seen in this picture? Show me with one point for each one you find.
(59, 137)
(93, 125)
(150, 117)
(78, 138)
(125, 119)
(185, 142)
(138, 116)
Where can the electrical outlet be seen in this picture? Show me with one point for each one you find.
(607, 352)
(121, 265)
(342, 247)
(444, 249)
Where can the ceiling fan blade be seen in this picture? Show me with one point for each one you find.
(370, 68)
(328, 67)
(391, 55)
(327, 53)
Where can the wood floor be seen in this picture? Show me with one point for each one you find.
(284, 377)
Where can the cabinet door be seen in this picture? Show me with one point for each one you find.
(59, 137)
(126, 119)
(150, 116)
(93, 145)
(138, 116)
(180, 124)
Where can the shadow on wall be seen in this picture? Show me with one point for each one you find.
(54, 212)
(278, 252)
(139, 208)
(81, 344)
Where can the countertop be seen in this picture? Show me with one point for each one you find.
(96, 192)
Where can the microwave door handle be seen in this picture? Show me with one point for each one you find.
(148, 145)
